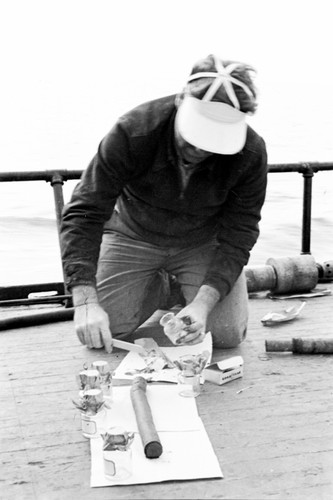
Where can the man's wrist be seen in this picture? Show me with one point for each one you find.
(83, 295)
(87, 302)
(207, 297)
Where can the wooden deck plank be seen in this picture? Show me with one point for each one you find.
(272, 430)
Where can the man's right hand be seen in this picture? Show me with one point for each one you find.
(92, 326)
(91, 321)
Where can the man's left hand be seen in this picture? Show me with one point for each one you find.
(195, 320)
(196, 314)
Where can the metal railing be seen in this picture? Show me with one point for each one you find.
(58, 177)
(307, 170)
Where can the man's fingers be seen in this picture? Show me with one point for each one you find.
(193, 333)
(195, 327)
(93, 337)
(197, 340)
(190, 337)
(107, 339)
(80, 334)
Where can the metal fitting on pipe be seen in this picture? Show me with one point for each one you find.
(283, 275)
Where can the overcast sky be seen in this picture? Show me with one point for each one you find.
(42, 38)
(71, 59)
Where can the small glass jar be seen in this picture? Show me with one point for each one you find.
(117, 453)
(92, 424)
(117, 464)
(190, 369)
(105, 375)
(92, 413)
(89, 379)
(189, 384)
(173, 328)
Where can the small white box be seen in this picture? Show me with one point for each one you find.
(224, 371)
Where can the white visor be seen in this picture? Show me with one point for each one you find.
(211, 126)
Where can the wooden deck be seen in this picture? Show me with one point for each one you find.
(272, 430)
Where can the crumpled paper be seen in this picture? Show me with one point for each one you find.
(288, 314)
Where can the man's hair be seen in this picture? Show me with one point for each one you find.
(243, 72)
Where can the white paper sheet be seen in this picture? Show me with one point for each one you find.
(187, 451)
(133, 361)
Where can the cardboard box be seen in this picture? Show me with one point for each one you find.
(224, 371)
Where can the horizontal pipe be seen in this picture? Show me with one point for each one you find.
(40, 175)
(48, 175)
(300, 167)
(37, 319)
(38, 300)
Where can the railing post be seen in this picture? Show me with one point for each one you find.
(307, 201)
(57, 182)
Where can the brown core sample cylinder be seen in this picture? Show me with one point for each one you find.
(301, 345)
(149, 437)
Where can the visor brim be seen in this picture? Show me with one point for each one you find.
(211, 126)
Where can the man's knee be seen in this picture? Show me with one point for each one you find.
(229, 337)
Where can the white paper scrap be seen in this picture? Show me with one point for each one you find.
(134, 362)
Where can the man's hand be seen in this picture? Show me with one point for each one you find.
(196, 314)
(92, 326)
(90, 319)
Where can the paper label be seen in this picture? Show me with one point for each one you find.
(88, 426)
(109, 467)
